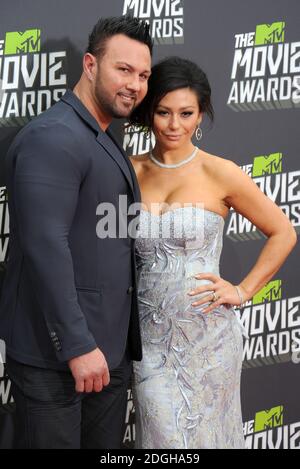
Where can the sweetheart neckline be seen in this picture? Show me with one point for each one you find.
(182, 208)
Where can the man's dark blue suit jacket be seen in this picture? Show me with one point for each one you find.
(66, 290)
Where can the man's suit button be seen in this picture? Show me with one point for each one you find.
(55, 341)
(130, 290)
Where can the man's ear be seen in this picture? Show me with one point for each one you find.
(89, 65)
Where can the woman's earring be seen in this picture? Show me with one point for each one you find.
(199, 133)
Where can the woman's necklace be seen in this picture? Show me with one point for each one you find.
(175, 165)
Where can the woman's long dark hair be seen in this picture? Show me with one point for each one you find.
(169, 75)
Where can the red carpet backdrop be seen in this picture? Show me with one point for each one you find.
(250, 51)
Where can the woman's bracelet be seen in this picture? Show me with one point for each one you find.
(240, 295)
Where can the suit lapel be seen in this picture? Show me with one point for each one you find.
(104, 139)
(113, 150)
(127, 161)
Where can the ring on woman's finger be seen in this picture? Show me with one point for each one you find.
(215, 297)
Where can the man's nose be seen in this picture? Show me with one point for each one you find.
(134, 84)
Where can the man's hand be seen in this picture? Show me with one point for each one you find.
(90, 371)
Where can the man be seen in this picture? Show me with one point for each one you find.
(69, 309)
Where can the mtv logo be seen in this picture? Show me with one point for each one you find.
(267, 419)
(267, 164)
(23, 43)
(269, 33)
(2, 352)
(270, 292)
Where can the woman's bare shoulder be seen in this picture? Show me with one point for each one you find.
(218, 165)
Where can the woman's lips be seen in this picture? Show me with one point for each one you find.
(173, 137)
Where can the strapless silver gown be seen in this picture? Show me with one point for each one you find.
(187, 387)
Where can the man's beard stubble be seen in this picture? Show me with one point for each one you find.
(106, 104)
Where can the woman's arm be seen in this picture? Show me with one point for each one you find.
(248, 200)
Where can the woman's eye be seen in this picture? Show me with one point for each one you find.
(162, 113)
(187, 114)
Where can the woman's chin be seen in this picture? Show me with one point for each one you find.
(172, 144)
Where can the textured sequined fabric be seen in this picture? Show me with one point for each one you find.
(187, 387)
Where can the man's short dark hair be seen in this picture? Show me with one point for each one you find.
(106, 28)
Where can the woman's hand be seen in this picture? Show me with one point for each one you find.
(225, 292)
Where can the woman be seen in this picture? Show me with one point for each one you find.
(187, 388)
